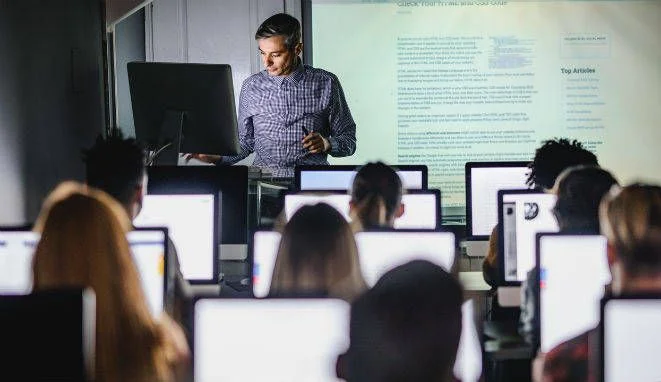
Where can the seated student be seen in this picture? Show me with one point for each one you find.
(406, 328)
(630, 219)
(551, 158)
(376, 197)
(83, 244)
(317, 256)
(117, 166)
(579, 190)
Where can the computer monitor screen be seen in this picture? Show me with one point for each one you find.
(280, 340)
(148, 248)
(16, 252)
(421, 208)
(265, 250)
(309, 178)
(191, 225)
(573, 272)
(632, 339)
(381, 251)
(522, 214)
(483, 181)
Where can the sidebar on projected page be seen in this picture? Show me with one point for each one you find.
(446, 82)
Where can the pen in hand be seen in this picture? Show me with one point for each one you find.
(306, 132)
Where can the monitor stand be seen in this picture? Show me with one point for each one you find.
(171, 131)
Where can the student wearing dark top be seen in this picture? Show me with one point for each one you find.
(579, 191)
(376, 197)
(117, 166)
(406, 328)
(630, 219)
(551, 158)
(317, 256)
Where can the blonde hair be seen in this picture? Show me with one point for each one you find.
(83, 244)
(630, 218)
(317, 254)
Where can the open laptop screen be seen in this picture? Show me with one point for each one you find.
(191, 225)
(573, 272)
(16, 252)
(631, 339)
(522, 214)
(421, 208)
(148, 248)
(281, 340)
(483, 181)
(381, 251)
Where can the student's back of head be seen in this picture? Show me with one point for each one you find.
(579, 191)
(83, 244)
(376, 196)
(406, 328)
(116, 166)
(631, 220)
(317, 256)
(553, 157)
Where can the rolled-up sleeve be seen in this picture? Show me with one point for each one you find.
(343, 128)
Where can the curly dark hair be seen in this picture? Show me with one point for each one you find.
(555, 155)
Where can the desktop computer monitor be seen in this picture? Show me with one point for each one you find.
(421, 207)
(340, 177)
(521, 215)
(631, 338)
(48, 335)
(191, 223)
(264, 252)
(381, 251)
(573, 273)
(279, 340)
(483, 181)
(149, 248)
(17, 246)
(183, 108)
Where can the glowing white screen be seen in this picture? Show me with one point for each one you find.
(632, 340)
(519, 254)
(380, 252)
(148, 249)
(468, 365)
(485, 184)
(420, 210)
(574, 271)
(280, 340)
(190, 223)
(16, 253)
(265, 251)
(342, 180)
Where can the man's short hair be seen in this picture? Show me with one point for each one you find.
(281, 24)
(552, 157)
(115, 165)
(579, 190)
(407, 327)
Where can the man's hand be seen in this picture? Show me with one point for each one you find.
(315, 143)
(203, 157)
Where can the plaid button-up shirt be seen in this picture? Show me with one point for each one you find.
(274, 110)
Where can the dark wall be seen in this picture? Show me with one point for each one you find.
(51, 73)
(129, 46)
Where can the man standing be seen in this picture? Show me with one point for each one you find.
(289, 114)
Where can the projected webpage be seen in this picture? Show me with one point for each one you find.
(573, 273)
(420, 209)
(445, 82)
(524, 215)
(632, 340)
(342, 180)
(16, 253)
(148, 249)
(284, 340)
(190, 223)
(484, 187)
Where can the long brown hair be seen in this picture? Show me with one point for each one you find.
(317, 254)
(83, 244)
